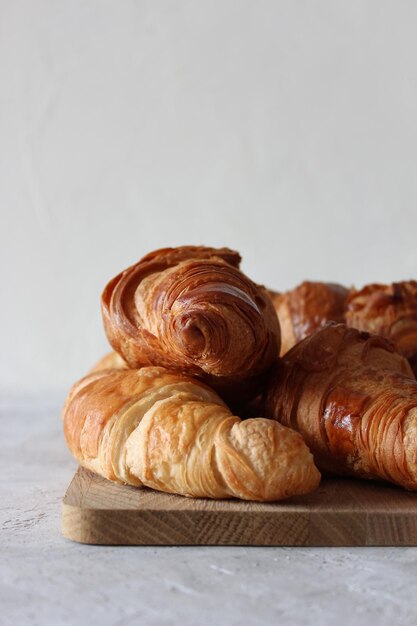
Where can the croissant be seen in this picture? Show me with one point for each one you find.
(390, 311)
(166, 431)
(192, 310)
(354, 400)
(308, 307)
(387, 310)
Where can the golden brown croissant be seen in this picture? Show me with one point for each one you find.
(354, 400)
(166, 431)
(387, 310)
(306, 308)
(192, 310)
(390, 311)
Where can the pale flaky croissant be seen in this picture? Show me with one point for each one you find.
(166, 431)
(354, 400)
(306, 308)
(192, 310)
(390, 311)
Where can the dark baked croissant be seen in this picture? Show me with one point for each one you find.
(390, 311)
(354, 400)
(190, 309)
(387, 310)
(164, 430)
(306, 308)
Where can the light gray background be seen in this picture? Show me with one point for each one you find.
(286, 130)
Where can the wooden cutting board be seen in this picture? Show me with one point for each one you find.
(340, 513)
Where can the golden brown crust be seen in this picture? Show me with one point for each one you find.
(166, 431)
(306, 308)
(354, 400)
(387, 310)
(192, 310)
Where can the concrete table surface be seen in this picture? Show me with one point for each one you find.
(45, 579)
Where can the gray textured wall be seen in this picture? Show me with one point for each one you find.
(285, 129)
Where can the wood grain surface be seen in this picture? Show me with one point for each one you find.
(340, 513)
